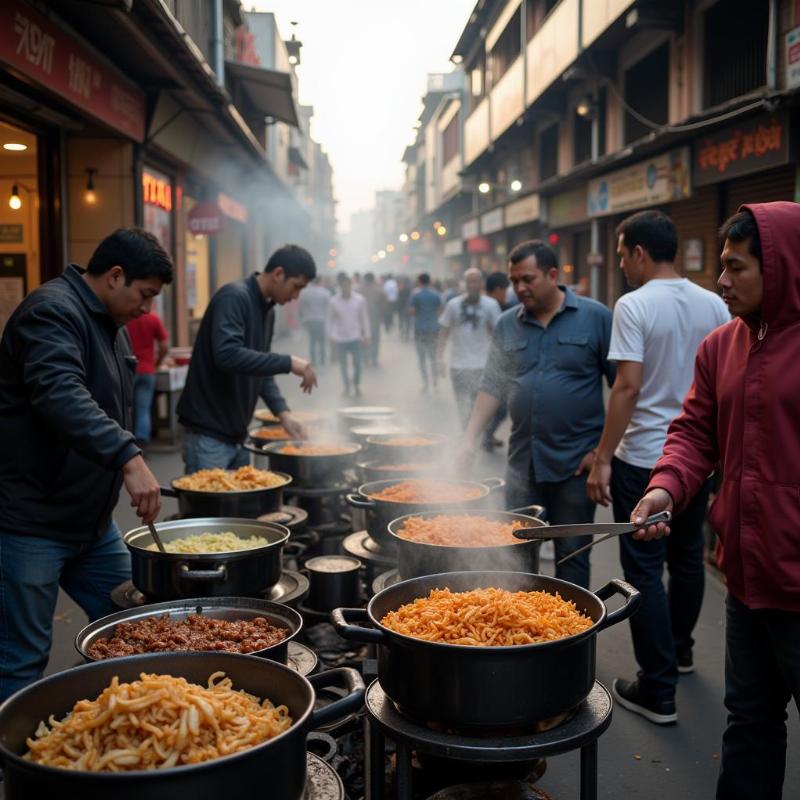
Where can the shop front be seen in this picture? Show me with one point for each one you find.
(521, 218)
(493, 229)
(570, 235)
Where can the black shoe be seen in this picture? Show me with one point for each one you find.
(685, 661)
(629, 695)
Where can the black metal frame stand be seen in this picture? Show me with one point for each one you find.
(383, 720)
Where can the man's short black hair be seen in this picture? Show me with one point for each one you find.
(741, 227)
(369, 277)
(296, 261)
(544, 255)
(424, 278)
(137, 251)
(342, 278)
(651, 230)
(496, 280)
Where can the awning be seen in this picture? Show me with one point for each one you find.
(269, 91)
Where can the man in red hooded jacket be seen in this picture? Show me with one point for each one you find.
(744, 410)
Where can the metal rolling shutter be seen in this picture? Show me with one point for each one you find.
(776, 184)
(698, 218)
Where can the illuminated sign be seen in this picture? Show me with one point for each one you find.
(156, 191)
(231, 208)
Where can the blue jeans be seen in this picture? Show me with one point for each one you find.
(762, 673)
(316, 341)
(144, 386)
(354, 350)
(31, 570)
(663, 625)
(206, 452)
(426, 354)
(565, 502)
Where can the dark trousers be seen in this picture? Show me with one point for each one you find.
(466, 383)
(316, 341)
(665, 620)
(352, 349)
(426, 355)
(497, 421)
(762, 673)
(566, 502)
(371, 356)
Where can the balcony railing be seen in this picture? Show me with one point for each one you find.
(599, 14)
(476, 132)
(508, 99)
(553, 48)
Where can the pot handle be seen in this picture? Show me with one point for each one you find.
(632, 600)
(168, 491)
(540, 512)
(357, 501)
(492, 484)
(356, 633)
(217, 574)
(338, 709)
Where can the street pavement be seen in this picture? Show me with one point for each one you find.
(637, 759)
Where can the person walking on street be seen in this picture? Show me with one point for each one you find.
(741, 411)
(232, 364)
(66, 384)
(467, 323)
(656, 331)
(547, 359)
(376, 308)
(391, 290)
(147, 332)
(347, 326)
(313, 308)
(423, 306)
(497, 286)
(403, 316)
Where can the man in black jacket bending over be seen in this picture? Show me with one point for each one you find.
(231, 363)
(66, 447)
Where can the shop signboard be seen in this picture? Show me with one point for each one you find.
(526, 209)
(35, 46)
(455, 247)
(567, 208)
(751, 146)
(470, 229)
(693, 255)
(479, 244)
(793, 58)
(662, 179)
(204, 219)
(11, 233)
(492, 221)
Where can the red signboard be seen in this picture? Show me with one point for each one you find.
(479, 244)
(37, 47)
(205, 218)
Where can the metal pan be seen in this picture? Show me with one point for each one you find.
(309, 470)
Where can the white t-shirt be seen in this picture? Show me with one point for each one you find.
(391, 290)
(470, 326)
(660, 325)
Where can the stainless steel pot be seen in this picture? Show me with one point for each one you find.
(247, 503)
(166, 576)
(375, 470)
(308, 470)
(228, 608)
(382, 447)
(360, 416)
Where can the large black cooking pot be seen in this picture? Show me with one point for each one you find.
(426, 447)
(276, 768)
(229, 608)
(247, 503)
(379, 470)
(481, 687)
(166, 576)
(308, 470)
(381, 512)
(415, 559)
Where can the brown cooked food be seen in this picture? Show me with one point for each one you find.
(315, 449)
(271, 433)
(460, 530)
(196, 632)
(223, 480)
(427, 492)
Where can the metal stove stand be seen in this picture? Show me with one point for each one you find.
(383, 719)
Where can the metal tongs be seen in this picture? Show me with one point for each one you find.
(602, 530)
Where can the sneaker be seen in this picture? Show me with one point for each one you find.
(629, 695)
(685, 661)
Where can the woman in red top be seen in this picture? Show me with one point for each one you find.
(146, 332)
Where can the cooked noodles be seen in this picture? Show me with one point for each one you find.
(224, 542)
(488, 618)
(460, 530)
(271, 433)
(221, 480)
(427, 492)
(156, 722)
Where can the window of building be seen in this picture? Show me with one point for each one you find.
(734, 49)
(506, 48)
(548, 152)
(450, 140)
(582, 130)
(647, 92)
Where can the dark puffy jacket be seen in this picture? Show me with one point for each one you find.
(66, 379)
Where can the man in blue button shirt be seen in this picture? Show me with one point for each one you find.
(547, 360)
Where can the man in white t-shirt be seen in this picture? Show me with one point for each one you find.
(654, 338)
(467, 322)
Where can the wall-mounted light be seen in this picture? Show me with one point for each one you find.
(90, 196)
(441, 230)
(585, 108)
(414, 236)
(381, 254)
(15, 147)
(516, 186)
(403, 237)
(484, 187)
(390, 248)
(15, 201)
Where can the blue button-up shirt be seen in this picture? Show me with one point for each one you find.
(551, 378)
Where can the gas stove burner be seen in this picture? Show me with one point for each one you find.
(492, 790)
(361, 545)
(302, 659)
(291, 587)
(385, 580)
(322, 782)
(292, 517)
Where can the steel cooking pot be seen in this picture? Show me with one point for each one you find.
(361, 416)
(309, 470)
(277, 767)
(420, 558)
(247, 503)
(166, 576)
(228, 608)
(385, 447)
(483, 687)
(378, 470)
(381, 512)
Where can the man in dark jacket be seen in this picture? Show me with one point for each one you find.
(66, 388)
(231, 364)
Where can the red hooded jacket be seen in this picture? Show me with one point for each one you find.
(743, 409)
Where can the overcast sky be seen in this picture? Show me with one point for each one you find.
(364, 64)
